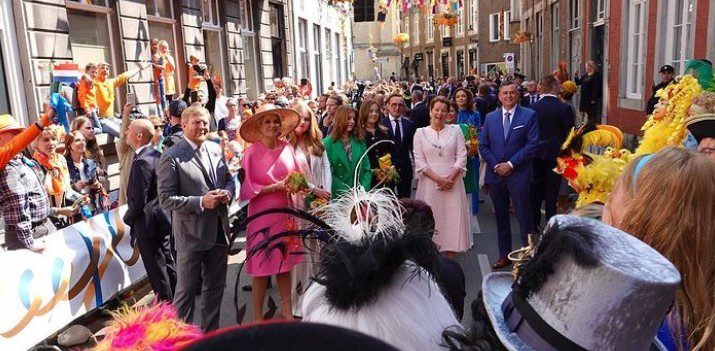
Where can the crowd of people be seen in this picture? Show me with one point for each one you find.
(321, 178)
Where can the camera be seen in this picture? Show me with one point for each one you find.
(199, 68)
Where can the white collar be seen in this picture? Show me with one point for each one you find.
(191, 143)
(551, 95)
(511, 112)
(141, 148)
(395, 119)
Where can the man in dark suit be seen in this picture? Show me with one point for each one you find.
(508, 143)
(401, 131)
(555, 122)
(532, 94)
(419, 114)
(149, 222)
(195, 185)
(484, 102)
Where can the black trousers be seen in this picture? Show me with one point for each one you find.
(544, 189)
(158, 263)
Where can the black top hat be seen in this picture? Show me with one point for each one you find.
(287, 336)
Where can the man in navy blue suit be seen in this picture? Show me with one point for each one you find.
(149, 222)
(508, 143)
(400, 130)
(555, 122)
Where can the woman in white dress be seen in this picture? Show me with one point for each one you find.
(313, 163)
(440, 162)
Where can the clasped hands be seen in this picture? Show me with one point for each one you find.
(214, 198)
(447, 183)
(503, 169)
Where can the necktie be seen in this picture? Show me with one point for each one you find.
(206, 162)
(534, 98)
(507, 123)
(398, 132)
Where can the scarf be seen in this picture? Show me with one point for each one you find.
(56, 183)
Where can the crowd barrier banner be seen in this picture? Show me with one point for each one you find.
(83, 266)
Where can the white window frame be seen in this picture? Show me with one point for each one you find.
(303, 47)
(415, 39)
(472, 22)
(430, 27)
(515, 9)
(507, 24)
(213, 11)
(539, 43)
(459, 30)
(574, 14)
(601, 10)
(635, 54)
(555, 34)
(684, 39)
(494, 27)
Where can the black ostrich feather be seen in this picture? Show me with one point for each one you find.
(480, 336)
(575, 239)
(355, 274)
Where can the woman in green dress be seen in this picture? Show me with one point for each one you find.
(345, 145)
(470, 178)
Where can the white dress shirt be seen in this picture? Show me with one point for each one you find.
(511, 120)
(394, 121)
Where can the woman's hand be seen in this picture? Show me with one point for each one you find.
(96, 185)
(80, 184)
(66, 211)
(453, 176)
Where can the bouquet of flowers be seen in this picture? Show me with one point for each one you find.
(446, 19)
(313, 202)
(472, 141)
(386, 172)
(295, 183)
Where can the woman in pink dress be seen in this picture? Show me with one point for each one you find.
(268, 162)
(440, 163)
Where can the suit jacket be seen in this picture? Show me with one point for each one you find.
(342, 169)
(402, 155)
(519, 146)
(526, 100)
(419, 115)
(183, 180)
(556, 119)
(144, 214)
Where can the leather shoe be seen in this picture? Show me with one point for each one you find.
(501, 263)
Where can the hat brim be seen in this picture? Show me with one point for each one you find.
(495, 288)
(702, 126)
(250, 128)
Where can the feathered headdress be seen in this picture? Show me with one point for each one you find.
(591, 160)
(151, 328)
(365, 241)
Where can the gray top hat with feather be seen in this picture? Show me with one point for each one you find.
(588, 287)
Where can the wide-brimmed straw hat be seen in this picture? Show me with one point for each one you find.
(588, 287)
(250, 128)
(8, 123)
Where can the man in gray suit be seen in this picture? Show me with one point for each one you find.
(195, 185)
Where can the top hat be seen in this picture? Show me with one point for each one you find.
(589, 286)
(287, 336)
(250, 128)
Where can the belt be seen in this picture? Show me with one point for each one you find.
(40, 223)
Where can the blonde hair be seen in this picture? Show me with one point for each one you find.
(314, 138)
(194, 110)
(671, 207)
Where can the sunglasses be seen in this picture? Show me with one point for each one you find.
(158, 127)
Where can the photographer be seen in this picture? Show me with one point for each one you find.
(84, 173)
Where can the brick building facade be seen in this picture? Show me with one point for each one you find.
(629, 40)
(476, 44)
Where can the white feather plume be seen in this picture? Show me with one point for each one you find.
(352, 224)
